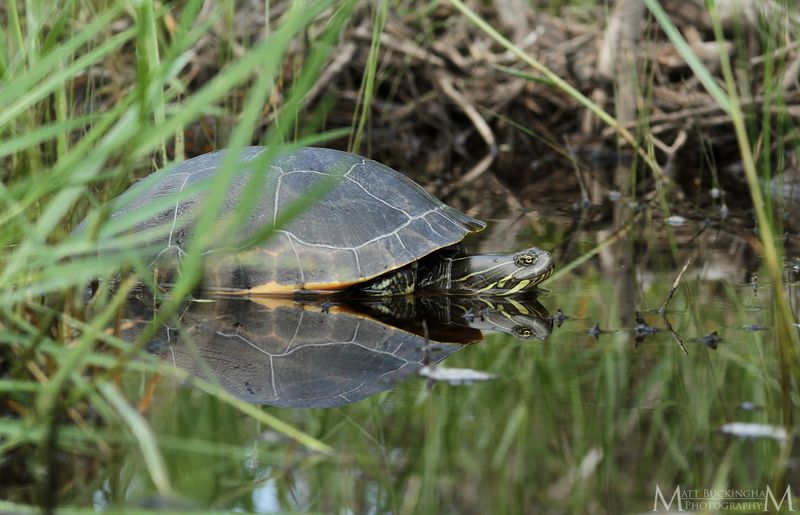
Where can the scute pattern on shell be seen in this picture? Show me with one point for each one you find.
(372, 221)
(290, 356)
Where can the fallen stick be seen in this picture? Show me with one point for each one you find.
(662, 311)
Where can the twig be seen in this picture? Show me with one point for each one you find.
(404, 46)
(446, 83)
(585, 200)
(344, 55)
(674, 334)
(662, 311)
(700, 114)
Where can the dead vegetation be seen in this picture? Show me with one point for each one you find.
(452, 106)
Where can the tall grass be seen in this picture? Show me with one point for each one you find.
(570, 426)
(70, 141)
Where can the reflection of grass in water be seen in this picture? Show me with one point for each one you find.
(535, 438)
(573, 424)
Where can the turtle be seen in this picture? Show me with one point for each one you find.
(281, 352)
(371, 231)
(304, 353)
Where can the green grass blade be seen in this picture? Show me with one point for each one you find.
(14, 99)
(367, 90)
(75, 359)
(697, 66)
(263, 56)
(42, 134)
(151, 454)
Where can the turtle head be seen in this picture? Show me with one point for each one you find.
(530, 267)
(505, 274)
(525, 319)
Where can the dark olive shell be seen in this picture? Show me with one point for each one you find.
(367, 222)
(287, 354)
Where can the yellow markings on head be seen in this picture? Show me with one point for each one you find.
(481, 271)
(499, 284)
(519, 307)
(519, 286)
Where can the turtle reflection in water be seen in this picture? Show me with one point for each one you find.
(285, 352)
(372, 230)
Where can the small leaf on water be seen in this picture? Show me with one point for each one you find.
(455, 375)
(754, 430)
(749, 406)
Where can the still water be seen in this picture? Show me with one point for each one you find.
(604, 393)
(326, 353)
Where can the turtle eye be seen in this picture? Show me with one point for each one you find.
(524, 259)
(522, 331)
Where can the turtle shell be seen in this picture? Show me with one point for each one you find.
(287, 354)
(369, 220)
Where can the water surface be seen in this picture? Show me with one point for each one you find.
(595, 413)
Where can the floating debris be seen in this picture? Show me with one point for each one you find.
(595, 331)
(583, 204)
(755, 430)
(614, 195)
(326, 306)
(676, 220)
(662, 311)
(454, 375)
(749, 406)
(754, 327)
(642, 329)
(642, 326)
(711, 340)
(559, 317)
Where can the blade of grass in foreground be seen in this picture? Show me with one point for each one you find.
(80, 356)
(75, 360)
(14, 100)
(144, 435)
(207, 227)
(148, 63)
